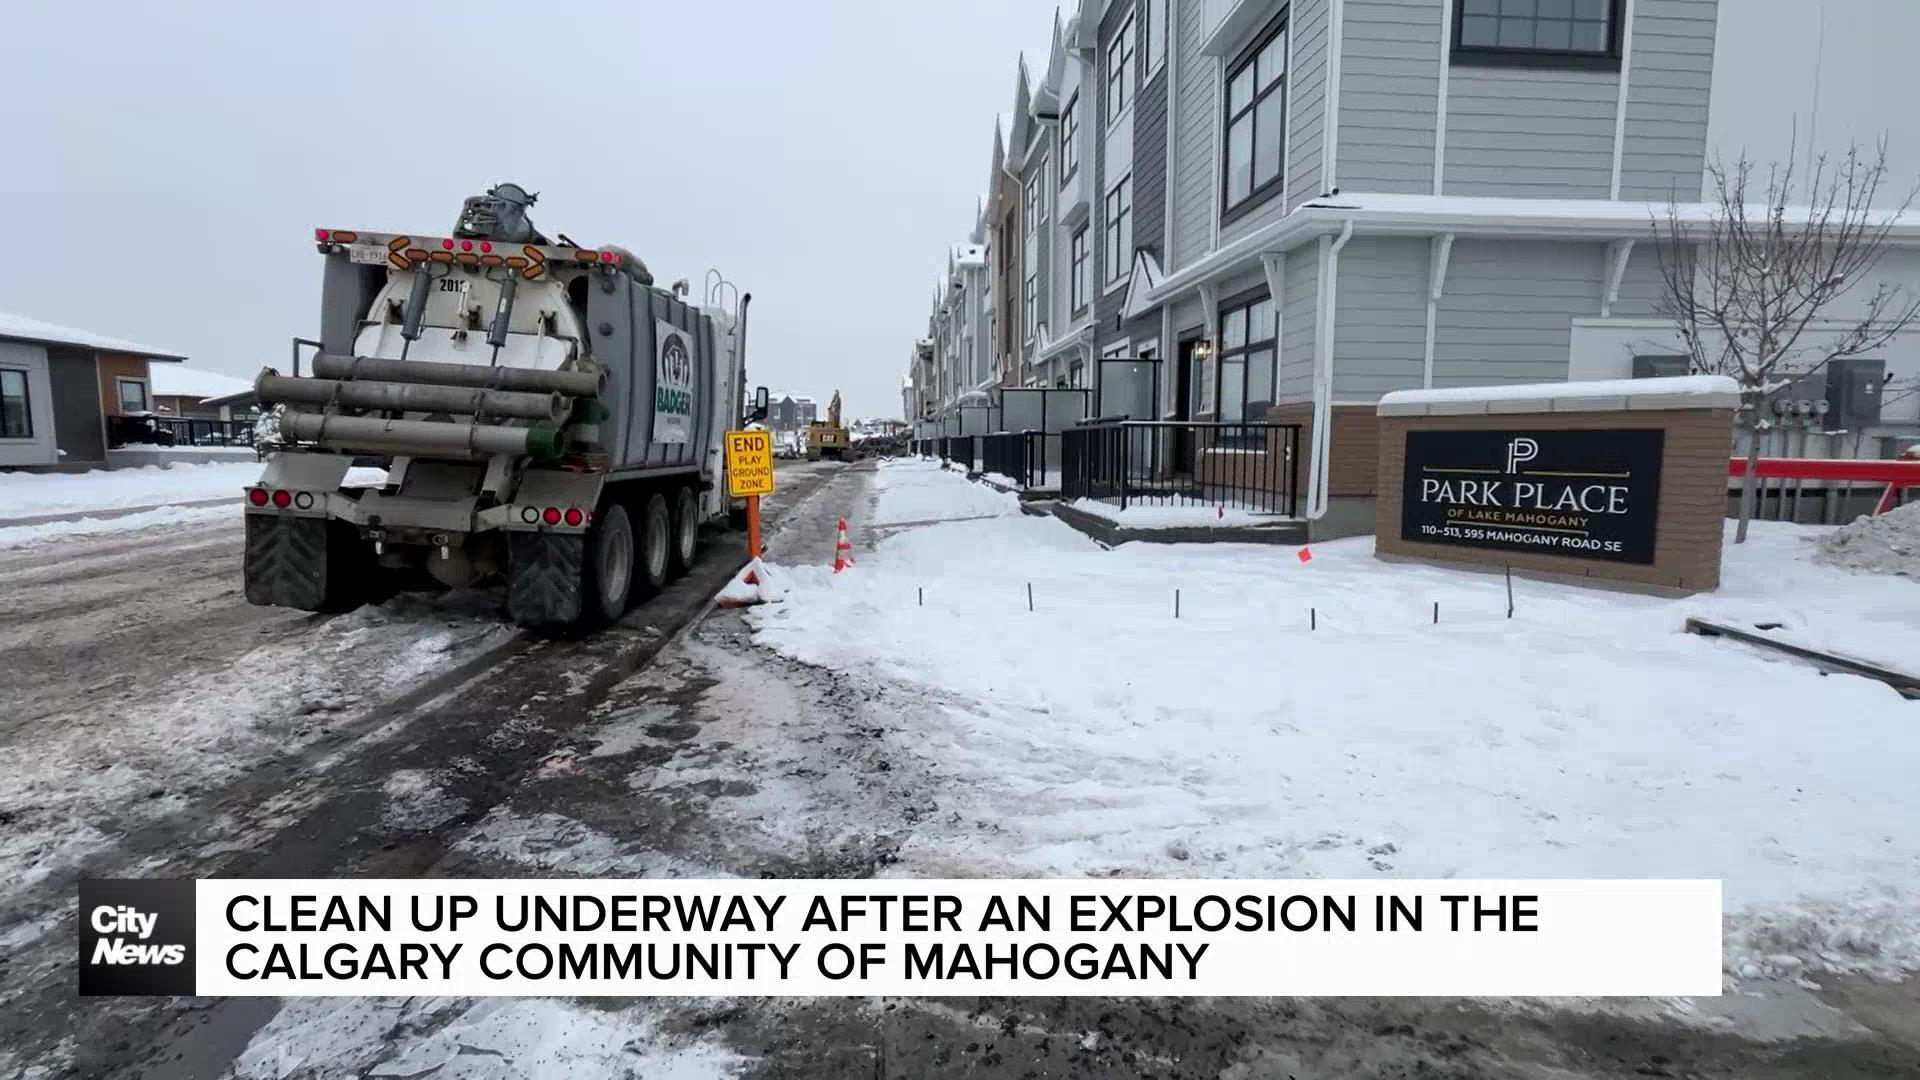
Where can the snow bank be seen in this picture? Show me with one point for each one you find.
(1148, 516)
(25, 535)
(38, 494)
(1588, 736)
(1882, 544)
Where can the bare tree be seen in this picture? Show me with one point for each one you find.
(1753, 286)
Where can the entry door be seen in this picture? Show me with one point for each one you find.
(1183, 443)
(79, 429)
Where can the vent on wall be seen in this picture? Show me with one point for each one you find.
(1658, 367)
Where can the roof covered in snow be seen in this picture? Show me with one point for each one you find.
(21, 328)
(179, 380)
(1682, 392)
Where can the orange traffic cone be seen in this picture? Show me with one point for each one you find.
(842, 551)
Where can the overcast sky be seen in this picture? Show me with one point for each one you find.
(163, 171)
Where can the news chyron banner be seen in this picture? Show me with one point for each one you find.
(292, 938)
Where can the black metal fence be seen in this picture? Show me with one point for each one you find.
(178, 431)
(1019, 456)
(962, 450)
(1252, 467)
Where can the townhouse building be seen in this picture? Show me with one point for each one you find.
(1246, 210)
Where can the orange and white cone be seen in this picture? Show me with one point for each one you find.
(842, 551)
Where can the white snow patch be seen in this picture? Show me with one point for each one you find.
(26, 329)
(1701, 386)
(38, 494)
(364, 476)
(461, 1039)
(1588, 736)
(179, 380)
(418, 801)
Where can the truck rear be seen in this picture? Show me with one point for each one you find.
(518, 410)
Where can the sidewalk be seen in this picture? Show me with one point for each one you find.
(109, 515)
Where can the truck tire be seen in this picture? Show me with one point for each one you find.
(303, 563)
(656, 543)
(607, 587)
(686, 531)
(544, 575)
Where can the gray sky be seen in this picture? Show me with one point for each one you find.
(820, 154)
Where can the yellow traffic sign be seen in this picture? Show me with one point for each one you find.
(749, 463)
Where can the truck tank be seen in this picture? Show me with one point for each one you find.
(545, 414)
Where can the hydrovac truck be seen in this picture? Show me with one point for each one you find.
(528, 411)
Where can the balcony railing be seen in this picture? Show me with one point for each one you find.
(177, 431)
(1251, 467)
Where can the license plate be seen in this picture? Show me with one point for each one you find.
(367, 254)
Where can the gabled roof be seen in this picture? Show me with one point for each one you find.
(21, 328)
(1141, 282)
(1047, 102)
(1023, 126)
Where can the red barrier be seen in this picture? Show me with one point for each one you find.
(1896, 474)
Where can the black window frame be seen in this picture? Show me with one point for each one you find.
(1116, 231)
(1246, 302)
(1070, 139)
(1245, 58)
(1079, 270)
(1606, 58)
(26, 402)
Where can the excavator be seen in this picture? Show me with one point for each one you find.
(828, 438)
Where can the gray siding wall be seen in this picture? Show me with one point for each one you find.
(1529, 132)
(1507, 310)
(1307, 111)
(1150, 161)
(1106, 306)
(1389, 95)
(1380, 317)
(1297, 330)
(1668, 89)
(1192, 130)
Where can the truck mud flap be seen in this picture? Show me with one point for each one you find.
(287, 562)
(544, 578)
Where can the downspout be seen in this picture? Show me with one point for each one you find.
(1436, 282)
(1323, 376)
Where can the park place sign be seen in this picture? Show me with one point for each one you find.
(1592, 494)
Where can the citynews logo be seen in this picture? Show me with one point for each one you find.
(136, 937)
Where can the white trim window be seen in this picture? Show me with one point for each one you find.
(1070, 137)
(133, 396)
(1036, 201)
(1030, 303)
(1117, 219)
(1119, 59)
(16, 405)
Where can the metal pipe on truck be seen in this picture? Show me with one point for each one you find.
(276, 389)
(483, 376)
(541, 440)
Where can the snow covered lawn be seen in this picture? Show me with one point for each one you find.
(39, 494)
(1588, 736)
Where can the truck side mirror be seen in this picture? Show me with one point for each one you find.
(759, 404)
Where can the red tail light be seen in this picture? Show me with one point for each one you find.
(552, 516)
(257, 496)
(575, 517)
(282, 499)
(466, 245)
(486, 245)
(609, 257)
(448, 244)
(322, 235)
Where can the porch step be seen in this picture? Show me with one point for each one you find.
(1283, 531)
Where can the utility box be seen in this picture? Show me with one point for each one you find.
(1659, 367)
(1853, 391)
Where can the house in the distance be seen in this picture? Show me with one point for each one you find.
(193, 394)
(68, 397)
